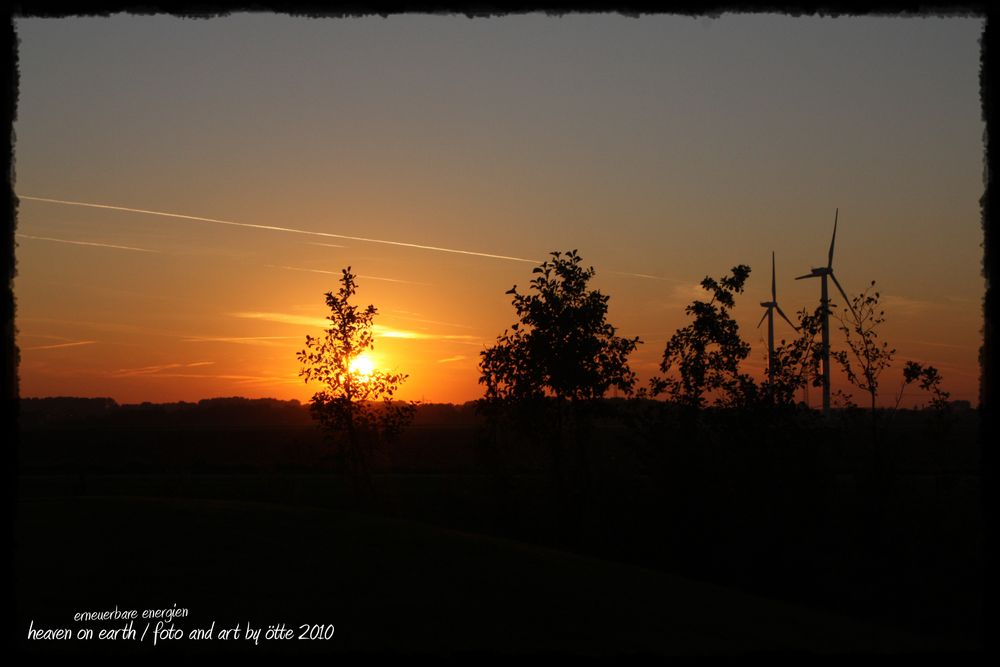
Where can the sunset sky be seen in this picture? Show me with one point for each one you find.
(442, 156)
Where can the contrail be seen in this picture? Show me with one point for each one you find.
(278, 229)
(99, 245)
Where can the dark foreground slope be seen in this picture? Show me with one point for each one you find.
(386, 585)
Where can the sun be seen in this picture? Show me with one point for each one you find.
(362, 366)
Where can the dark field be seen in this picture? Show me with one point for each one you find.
(386, 585)
(734, 549)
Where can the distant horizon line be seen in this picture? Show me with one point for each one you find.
(974, 406)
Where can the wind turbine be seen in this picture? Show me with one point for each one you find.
(822, 273)
(770, 307)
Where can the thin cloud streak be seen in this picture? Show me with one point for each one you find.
(905, 305)
(448, 360)
(274, 228)
(145, 370)
(109, 327)
(240, 379)
(267, 341)
(58, 345)
(326, 245)
(86, 243)
(284, 318)
(155, 370)
(393, 314)
(379, 329)
(647, 276)
(338, 273)
(930, 344)
(387, 332)
(685, 293)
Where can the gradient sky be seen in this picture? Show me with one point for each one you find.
(663, 148)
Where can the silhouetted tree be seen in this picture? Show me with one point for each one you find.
(864, 360)
(562, 344)
(705, 355)
(559, 356)
(346, 406)
(928, 378)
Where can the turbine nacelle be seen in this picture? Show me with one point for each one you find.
(816, 273)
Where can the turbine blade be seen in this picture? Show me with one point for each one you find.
(774, 293)
(762, 318)
(782, 313)
(846, 298)
(829, 263)
(808, 275)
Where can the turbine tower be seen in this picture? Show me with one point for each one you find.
(822, 273)
(770, 307)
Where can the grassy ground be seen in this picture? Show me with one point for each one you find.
(388, 585)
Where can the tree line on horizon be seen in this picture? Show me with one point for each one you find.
(548, 371)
